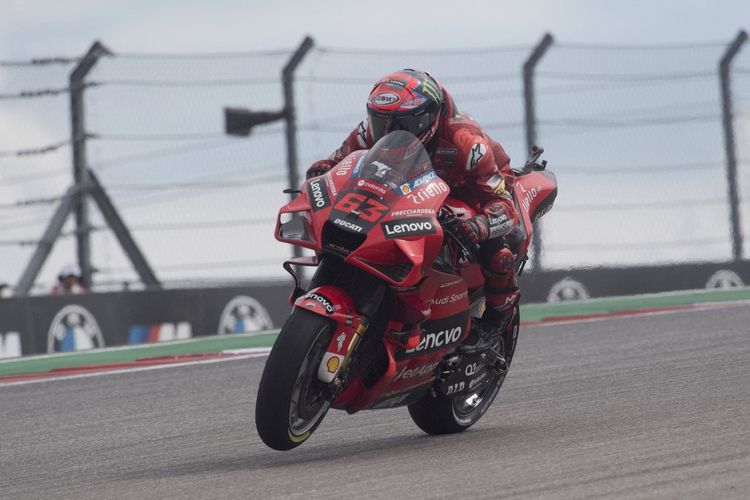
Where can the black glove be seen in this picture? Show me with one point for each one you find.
(471, 232)
(320, 167)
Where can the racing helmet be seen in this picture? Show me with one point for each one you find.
(405, 100)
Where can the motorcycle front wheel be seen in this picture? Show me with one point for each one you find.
(291, 400)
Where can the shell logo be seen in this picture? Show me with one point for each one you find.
(333, 364)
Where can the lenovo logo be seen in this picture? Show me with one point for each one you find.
(408, 227)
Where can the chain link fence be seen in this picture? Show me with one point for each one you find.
(634, 135)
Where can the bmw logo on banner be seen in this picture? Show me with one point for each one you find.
(244, 314)
(74, 329)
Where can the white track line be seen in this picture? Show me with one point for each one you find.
(55, 378)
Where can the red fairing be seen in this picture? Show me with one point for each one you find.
(535, 194)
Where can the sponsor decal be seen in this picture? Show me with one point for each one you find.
(423, 179)
(331, 185)
(318, 195)
(414, 102)
(428, 192)
(333, 364)
(431, 90)
(369, 185)
(391, 402)
(446, 151)
(724, 279)
(159, 332)
(74, 329)
(10, 345)
(362, 134)
(244, 314)
(567, 289)
(348, 225)
(499, 225)
(385, 98)
(340, 341)
(321, 300)
(329, 366)
(347, 163)
(451, 283)
(449, 299)
(410, 212)
(395, 83)
(472, 369)
(408, 227)
(438, 339)
(529, 195)
(476, 154)
(419, 371)
(497, 183)
(455, 388)
(476, 381)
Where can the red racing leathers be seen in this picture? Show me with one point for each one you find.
(478, 171)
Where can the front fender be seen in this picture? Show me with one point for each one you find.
(336, 304)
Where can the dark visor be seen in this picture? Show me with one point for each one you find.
(381, 125)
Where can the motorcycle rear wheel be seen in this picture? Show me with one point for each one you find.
(445, 415)
(291, 400)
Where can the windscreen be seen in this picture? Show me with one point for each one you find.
(395, 165)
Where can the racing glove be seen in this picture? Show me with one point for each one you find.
(320, 167)
(470, 232)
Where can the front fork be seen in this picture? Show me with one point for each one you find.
(349, 312)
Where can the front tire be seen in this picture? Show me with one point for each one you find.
(444, 415)
(291, 400)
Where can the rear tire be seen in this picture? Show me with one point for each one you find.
(444, 415)
(291, 400)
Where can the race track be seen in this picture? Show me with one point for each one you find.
(642, 407)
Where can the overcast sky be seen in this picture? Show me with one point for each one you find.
(43, 27)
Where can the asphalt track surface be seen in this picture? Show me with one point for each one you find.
(644, 407)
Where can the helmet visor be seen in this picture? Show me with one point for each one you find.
(381, 124)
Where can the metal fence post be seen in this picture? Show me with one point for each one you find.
(528, 94)
(287, 76)
(80, 165)
(729, 144)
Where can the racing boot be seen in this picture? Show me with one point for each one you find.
(486, 333)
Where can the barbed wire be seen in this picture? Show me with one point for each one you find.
(635, 169)
(30, 94)
(626, 77)
(631, 245)
(202, 55)
(641, 205)
(645, 47)
(43, 61)
(41, 150)
(200, 186)
(229, 82)
(425, 52)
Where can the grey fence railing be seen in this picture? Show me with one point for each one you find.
(651, 145)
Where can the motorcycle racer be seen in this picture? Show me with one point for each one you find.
(476, 168)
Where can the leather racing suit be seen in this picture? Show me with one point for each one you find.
(478, 171)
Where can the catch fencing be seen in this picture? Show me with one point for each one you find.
(635, 135)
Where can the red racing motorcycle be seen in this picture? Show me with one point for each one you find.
(391, 300)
